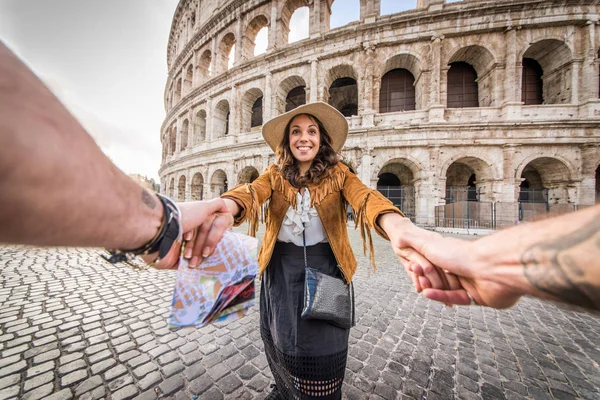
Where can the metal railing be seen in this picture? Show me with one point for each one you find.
(402, 197)
(533, 196)
(458, 194)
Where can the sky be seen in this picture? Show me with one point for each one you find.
(106, 61)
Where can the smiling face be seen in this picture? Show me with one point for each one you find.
(305, 139)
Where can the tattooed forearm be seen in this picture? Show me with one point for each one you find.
(567, 268)
(148, 199)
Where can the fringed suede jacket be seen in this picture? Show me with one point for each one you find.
(330, 198)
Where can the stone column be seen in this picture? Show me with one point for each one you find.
(434, 189)
(234, 116)
(191, 132)
(368, 106)
(188, 186)
(209, 120)
(365, 167)
(267, 100)
(369, 10)
(436, 108)
(194, 70)
(178, 136)
(214, 57)
(575, 81)
(273, 26)
(314, 80)
(314, 29)
(198, 14)
(239, 40)
(590, 154)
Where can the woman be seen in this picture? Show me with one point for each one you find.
(309, 190)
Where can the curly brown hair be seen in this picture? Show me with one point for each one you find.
(320, 168)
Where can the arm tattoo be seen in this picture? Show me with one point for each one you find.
(147, 199)
(562, 268)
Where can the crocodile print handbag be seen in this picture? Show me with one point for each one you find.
(326, 297)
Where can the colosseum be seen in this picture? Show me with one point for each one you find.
(475, 114)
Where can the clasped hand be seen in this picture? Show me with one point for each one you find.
(203, 224)
(446, 269)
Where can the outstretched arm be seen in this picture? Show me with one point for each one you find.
(56, 185)
(556, 259)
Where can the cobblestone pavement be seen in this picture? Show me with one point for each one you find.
(73, 326)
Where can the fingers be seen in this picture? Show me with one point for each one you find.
(199, 245)
(419, 263)
(458, 297)
(193, 214)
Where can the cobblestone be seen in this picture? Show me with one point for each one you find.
(402, 345)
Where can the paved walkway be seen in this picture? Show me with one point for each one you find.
(73, 326)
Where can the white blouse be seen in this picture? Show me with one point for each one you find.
(291, 228)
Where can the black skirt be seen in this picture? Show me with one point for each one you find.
(307, 357)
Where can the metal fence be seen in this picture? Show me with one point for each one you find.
(466, 215)
(402, 197)
(459, 194)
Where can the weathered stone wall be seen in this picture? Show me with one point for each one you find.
(430, 148)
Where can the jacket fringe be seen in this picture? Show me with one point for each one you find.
(254, 212)
(333, 183)
(365, 230)
(284, 187)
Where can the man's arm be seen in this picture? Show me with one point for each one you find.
(556, 259)
(56, 185)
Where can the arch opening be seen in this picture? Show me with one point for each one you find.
(462, 86)
(396, 182)
(554, 58)
(221, 119)
(189, 79)
(296, 21)
(397, 92)
(218, 183)
(226, 50)
(172, 188)
(544, 189)
(184, 135)
(200, 127)
(257, 37)
(343, 95)
(181, 189)
(532, 89)
(248, 175)
(252, 109)
(172, 139)
(204, 66)
(197, 191)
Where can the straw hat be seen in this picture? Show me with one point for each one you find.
(334, 122)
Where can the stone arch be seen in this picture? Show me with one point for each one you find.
(172, 139)
(396, 65)
(252, 109)
(482, 61)
(396, 181)
(181, 188)
(197, 188)
(285, 102)
(226, 51)
(177, 95)
(171, 193)
(342, 89)
(189, 79)
(204, 66)
(185, 133)
(218, 183)
(248, 175)
(254, 27)
(554, 57)
(221, 119)
(468, 178)
(199, 127)
(285, 15)
(550, 176)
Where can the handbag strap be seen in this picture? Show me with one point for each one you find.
(304, 245)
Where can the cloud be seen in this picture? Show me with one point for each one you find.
(299, 25)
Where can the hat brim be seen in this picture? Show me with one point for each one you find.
(334, 122)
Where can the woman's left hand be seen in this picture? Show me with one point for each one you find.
(430, 276)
